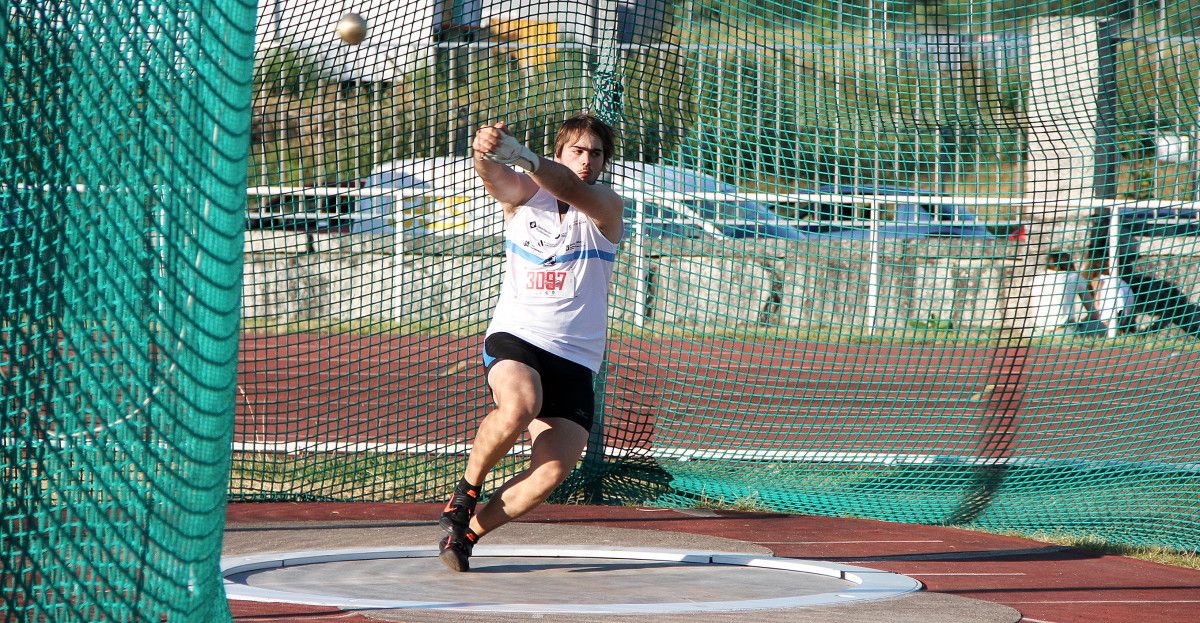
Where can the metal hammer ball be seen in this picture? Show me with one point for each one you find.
(351, 28)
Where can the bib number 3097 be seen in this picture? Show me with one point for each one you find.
(555, 284)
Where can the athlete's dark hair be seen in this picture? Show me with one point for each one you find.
(573, 127)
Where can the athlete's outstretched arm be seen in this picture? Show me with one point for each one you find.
(598, 201)
(507, 186)
(494, 145)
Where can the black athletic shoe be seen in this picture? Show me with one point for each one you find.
(455, 550)
(459, 510)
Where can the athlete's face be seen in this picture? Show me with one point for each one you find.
(584, 155)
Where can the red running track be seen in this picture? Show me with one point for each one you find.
(1046, 583)
(921, 398)
(918, 398)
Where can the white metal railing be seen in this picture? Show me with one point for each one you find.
(1178, 208)
(642, 223)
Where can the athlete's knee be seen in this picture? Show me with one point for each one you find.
(516, 388)
(515, 415)
(547, 476)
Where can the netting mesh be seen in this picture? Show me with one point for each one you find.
(870, 268)
(835, 294)
(122, 178)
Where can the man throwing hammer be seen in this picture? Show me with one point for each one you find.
(547, 335)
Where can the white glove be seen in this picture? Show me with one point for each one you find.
(511, 151)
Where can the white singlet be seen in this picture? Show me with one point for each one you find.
(556, 277)
(1055, 299)
(1114, 299)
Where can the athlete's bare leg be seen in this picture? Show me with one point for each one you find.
(517, 390)
(557, 445)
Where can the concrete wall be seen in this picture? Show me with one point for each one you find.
(300, 277)
(453, 280)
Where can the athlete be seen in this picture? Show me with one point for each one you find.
(547, 334)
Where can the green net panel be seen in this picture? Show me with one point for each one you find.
(834, 295)
(123, 146)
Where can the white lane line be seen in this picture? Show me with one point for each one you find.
(1111, 601)
(918, 574)
(834, 542)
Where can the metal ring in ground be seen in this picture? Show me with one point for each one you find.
(837, 584)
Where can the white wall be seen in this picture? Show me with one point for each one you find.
(1061, 111)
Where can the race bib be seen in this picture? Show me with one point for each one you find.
(551, 284)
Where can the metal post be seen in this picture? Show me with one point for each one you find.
(641, 275)
(875, 270)
(1104, 180)
(1106, 221)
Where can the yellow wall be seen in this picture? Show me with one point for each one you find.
(529, 32)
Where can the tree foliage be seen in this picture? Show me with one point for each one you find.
(284, 69)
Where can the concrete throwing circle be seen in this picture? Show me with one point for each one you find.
(554, 579)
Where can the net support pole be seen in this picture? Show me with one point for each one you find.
(1105, 171)
(1194, 148)
(641, 273)
(1105, 217)
(874, 272)
(607, 105)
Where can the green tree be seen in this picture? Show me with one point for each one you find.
(284, 69)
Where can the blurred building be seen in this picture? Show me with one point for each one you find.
(401, 32)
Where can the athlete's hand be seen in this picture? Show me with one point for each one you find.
(496, 144)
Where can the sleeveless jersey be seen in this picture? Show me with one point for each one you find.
(556, 277)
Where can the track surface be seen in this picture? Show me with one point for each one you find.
(1064, 402)
(1045, 583)
(922, 399)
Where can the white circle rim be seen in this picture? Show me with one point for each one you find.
(867, 584)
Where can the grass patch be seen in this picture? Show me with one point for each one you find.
(358, 477)
(1160, 555)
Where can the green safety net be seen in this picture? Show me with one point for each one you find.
(835, 294)
(859, 239)
(124, 134)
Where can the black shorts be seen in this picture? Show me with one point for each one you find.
(567, 390)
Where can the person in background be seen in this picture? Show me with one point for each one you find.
(1163, 300)
(1061, 298)
(1114, 298)
(1153, 297)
